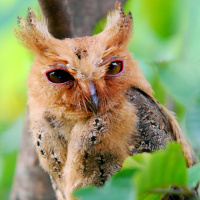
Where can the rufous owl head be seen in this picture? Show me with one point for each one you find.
(81, 76)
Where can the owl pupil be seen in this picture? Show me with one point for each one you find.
(59, 77)
(112, 66)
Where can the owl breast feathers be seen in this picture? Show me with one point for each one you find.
(90, 106)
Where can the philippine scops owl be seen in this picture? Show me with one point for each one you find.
(90, 106)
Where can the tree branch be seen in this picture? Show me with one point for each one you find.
(58, 17)
(184, 191)
(84, 19)
(31, 182)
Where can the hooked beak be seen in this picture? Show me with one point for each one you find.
(93, 99)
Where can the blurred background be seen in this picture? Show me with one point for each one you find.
(166, 43)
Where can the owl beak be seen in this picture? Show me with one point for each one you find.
(93, 99)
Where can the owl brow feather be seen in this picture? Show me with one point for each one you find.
(109, 59)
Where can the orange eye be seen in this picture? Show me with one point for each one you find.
(59, 77)
(115, 68)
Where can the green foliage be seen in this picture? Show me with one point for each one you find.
(15, 64)
(160, 169)
(148, 176)
(194, 175)
(119, 187)
(166, 43)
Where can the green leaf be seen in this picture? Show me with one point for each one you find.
(166, 24)
(139, 161)
(117, 188)
(150, 196)
(193, 125)
(174, 74)
(90, 192)
(181, 75)
(159, 170)
(194, 175)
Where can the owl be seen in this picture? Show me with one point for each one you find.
(90, 106)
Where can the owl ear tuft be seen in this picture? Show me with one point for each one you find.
(119, 25)
(33, 32)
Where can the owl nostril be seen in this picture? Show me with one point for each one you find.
(80, 76)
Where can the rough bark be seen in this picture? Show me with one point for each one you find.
(31, 182)
(86, 13)
(58, 16)
(73, 18)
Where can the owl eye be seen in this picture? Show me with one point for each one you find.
(115, 68)
(59, 77)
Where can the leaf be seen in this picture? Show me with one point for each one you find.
(181, 76)
(139, 161)
(117, 188)
(159, 170)
(166, 24)
(174, 74)
(193, 125)
(150, 196)
(194, 175)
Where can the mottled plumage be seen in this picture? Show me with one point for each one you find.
(90, 105)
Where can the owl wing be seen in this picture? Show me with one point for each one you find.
(156, 126)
